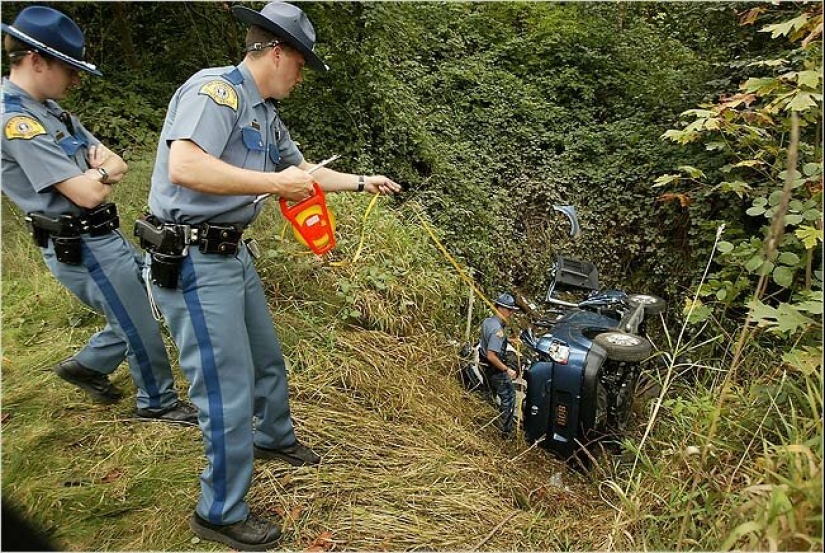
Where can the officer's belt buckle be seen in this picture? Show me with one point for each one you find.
(190, 236)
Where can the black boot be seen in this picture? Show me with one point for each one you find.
(93, 383)
(179, 412)
(297, 454)
(252, 534)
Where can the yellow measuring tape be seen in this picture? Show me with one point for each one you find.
(417, 210)
(464, 276)
(360, 248)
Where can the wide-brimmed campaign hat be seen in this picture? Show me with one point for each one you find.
(288, 22)
(51, 32)
(508, 302)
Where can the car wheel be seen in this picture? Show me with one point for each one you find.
(621, 346)
(653, 304)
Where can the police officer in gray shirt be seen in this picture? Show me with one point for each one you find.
(492, 348)
(222, 144)
(60, 175)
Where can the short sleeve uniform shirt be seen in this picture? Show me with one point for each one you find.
(220, 110)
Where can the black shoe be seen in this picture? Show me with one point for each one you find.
(252, 534)
(179, 412)
(297, 454)
(93, 383)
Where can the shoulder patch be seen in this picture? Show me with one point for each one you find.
(222, 93)
(23, 127)
(500, 333)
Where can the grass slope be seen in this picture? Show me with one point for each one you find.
(411, 461)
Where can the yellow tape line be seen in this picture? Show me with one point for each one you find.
(360, 248)
(467, 278)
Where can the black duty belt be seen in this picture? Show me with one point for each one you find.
(95, 222)
(173, 239)
(66, 230)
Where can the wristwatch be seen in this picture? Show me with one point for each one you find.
(104, 175)
(361, 183)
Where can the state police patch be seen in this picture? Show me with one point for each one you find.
(221, 93)
(23, 127)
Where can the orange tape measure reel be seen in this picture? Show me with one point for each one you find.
(312, 223)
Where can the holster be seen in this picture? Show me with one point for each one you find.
(64, 231)
(167, 246)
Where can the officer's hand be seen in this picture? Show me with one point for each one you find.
(294, 184)
(511, 373)
(97, 156)
(379, 184)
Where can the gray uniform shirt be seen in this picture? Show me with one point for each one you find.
(220, 110)
(39, 151)
(492, 337)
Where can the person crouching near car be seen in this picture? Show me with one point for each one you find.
(492, 349)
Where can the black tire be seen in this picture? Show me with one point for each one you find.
(621, 346)
(653, 304)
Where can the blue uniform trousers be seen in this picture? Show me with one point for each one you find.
(232, 357)
(506, 391)
(109, 281)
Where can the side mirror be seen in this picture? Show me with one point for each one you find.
(570, 212)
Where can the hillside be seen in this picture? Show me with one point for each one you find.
(411, 461)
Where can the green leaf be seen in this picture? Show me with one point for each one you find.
(783, 319)
(750, 163)
(721, 294)
(788, 258)
(711, 146)
(785, 27)
(760, 85)
(783, 276)
(793, 219)
(680, 137)
(766, 268)
(760, 201)
(812, 215)
(692, 171)
(755, 210)
(696, 312)
(811, 169)
(699, 113)
(724, 247)
(809, 79)
(810, 236)
(741, 530)
(738, 187)
(807, 360)
(754, 263)
(665, 180)
(801, 101)
(813, 306)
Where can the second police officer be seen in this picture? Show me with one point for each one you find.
(492, 352)
(60, 175)
(222, 144)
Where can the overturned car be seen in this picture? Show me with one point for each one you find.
(581, 362)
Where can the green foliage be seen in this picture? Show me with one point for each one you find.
(748, 134)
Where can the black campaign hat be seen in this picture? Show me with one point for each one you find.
(51, 32)
(288, 22)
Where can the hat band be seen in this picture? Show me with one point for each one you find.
(49, 50)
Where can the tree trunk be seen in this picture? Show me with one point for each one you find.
(119, 10)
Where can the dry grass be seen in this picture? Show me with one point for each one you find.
(411, 461)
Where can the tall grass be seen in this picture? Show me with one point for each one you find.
(411, 461)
